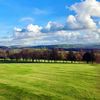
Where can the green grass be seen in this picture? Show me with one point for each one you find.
(49, 82)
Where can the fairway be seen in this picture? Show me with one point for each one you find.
(49, 82)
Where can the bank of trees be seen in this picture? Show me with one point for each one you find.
(46, 55)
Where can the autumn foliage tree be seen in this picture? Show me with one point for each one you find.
(48, 55)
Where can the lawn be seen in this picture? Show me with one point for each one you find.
(49, 82)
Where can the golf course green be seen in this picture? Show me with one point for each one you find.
(49, 81)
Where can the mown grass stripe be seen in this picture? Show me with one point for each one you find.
(49, 82)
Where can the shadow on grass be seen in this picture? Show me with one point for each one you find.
(16, 93)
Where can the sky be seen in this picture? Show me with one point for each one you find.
(49, 22)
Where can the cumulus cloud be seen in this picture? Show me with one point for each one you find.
(37, 36)
(85, 10)
(72, 23)
(34, 28)
(52, 27)
(79, 28)
(31, 31)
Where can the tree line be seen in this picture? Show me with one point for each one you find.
(46, 55)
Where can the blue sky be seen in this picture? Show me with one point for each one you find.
(12, 11)
(18, 15)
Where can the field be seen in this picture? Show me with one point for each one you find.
(49, 82)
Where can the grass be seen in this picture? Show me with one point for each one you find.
(49, 82)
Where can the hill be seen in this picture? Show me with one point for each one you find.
(74, 47)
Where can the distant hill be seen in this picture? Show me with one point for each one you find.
(63, 46)
(3, 47)
(66, 46)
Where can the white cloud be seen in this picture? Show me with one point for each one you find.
(26, 19)
(53, 26)
(99, 23)
(79, 28)
(38, 11)
(31, 32)
(72, 23)
(17, 29)
(68, 34)
(57, 37)
(34, 28)
(84, 13)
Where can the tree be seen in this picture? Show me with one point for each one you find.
(93, 57)
(62, 55)
(78, 56)
(46, 55)
(54, 54)
(97, 57)
(25, 54)
(87, 57)
(3, 54)
(71, 56)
